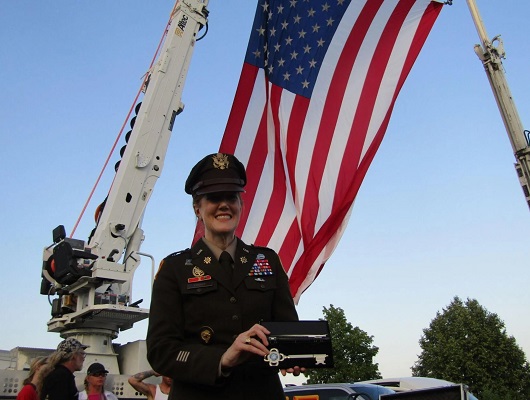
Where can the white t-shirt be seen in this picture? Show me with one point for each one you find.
(108, 395)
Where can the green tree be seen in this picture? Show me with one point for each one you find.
(353, 352)
(467, 344)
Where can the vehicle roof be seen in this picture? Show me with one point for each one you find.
(409, 383)
(370, 390)
(342, 384)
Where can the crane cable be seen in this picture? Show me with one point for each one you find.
(145, 78)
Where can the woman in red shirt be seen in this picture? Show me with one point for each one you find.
(33, 383)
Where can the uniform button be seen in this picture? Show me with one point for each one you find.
(199, 290)
(262, 286)
(233, 300)
(235, 318)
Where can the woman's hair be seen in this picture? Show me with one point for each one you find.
(196, 199)
(36, 364)
(86, 384)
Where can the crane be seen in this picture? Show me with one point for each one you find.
(491, 53)
(93, 281)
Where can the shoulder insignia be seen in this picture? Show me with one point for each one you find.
(254, 247)
(159, 267)
(176, 253)
(260, 247)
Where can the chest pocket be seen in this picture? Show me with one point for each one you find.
(262, 283)
(200, 288)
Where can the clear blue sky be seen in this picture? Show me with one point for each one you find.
(440, 212)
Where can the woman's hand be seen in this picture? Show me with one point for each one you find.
(253, 341)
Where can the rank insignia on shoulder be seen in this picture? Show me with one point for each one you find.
(243, 260)
(206, 334)
(207, 260)
(188, 261)
(176, 253)
(159, 268)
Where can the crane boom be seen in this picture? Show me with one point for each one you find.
(491, 53)
(93, 280)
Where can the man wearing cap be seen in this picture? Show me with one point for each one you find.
(207, 301)
(68, 358)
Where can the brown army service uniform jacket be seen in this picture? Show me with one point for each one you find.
(197, 311)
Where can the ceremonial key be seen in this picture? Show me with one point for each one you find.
(275, 357)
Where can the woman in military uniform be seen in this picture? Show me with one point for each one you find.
(208, 301)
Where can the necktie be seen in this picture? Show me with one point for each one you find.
(225, 259)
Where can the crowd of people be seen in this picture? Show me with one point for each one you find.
(53, 378)
(204, 335)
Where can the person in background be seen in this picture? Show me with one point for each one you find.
(207, 301)
(153, 392)
(59, 384)
(33, 383)
(95, 384)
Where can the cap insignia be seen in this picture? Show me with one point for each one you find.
(220, 161)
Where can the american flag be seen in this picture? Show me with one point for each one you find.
(317, 88)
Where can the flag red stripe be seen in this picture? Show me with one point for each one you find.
(239, 108)
(254, 168)
(277, 195)
(296, 124)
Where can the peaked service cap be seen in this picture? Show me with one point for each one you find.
(216, 172)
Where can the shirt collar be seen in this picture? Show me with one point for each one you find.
(216, 251)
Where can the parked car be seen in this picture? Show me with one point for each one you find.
(336, 391)
(415, 383)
